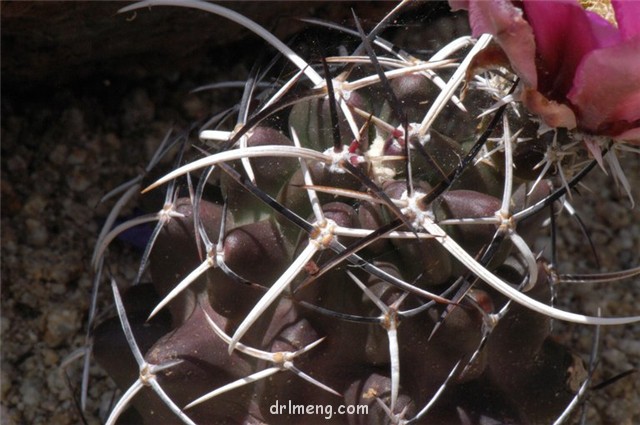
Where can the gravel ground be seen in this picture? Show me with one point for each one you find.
(614, 228)
(63, 148)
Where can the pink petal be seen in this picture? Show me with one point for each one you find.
(606, 90)
(552, 113)
(630, 136)
(459, 5)
(628, 17)
(503, 20)
(564, 34)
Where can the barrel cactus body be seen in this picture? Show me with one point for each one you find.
(359, 247)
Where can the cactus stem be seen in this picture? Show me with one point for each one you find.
(148, 371)
(349, 255)
(489, 322)
(375, 189)
(344, 253)
(389, 208)
(435, 397)
(283, 360)
(276, 289)
(208, 263)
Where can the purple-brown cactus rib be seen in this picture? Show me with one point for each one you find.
(256, 251)
(270, 172)
(205, 364)
(177, 253)
(412, 91)
(469, 204)
(285, 387)
(366, 391)
(370, 217)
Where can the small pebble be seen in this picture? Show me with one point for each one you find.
(61, 324)
(34, 206)
(615, 357)
(73, 121)
(31, 390)
(630, 346)
(77, 157)
(5, 383)
(78, 181)
(194, 107)
(50, 357)
(37, 234)
(59, 154)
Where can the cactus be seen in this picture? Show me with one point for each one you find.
(364, 238)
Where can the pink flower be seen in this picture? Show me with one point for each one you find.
(578, 69)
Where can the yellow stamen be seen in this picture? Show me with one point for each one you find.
(602, 8)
